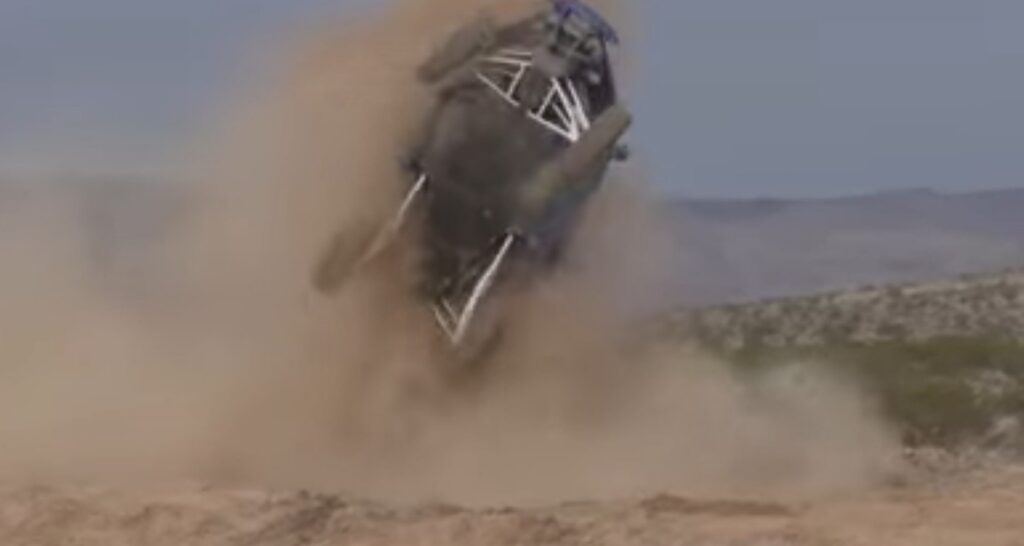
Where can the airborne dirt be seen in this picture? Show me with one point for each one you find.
(238, 374)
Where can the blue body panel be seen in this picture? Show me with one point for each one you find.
(570, 8)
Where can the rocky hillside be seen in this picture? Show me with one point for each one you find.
(943, 360)
(990, 305)
(747, 250)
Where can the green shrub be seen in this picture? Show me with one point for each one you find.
(933, 390)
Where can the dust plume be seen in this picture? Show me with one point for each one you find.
(242, 373)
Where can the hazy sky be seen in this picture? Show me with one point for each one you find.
(733, 97)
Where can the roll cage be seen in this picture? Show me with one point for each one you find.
(564, 101)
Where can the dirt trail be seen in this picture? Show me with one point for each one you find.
(983, 509)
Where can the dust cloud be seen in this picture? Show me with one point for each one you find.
(241, 373)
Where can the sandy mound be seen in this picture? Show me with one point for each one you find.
(984, 509)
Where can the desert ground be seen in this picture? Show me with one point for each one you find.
(980, 508)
